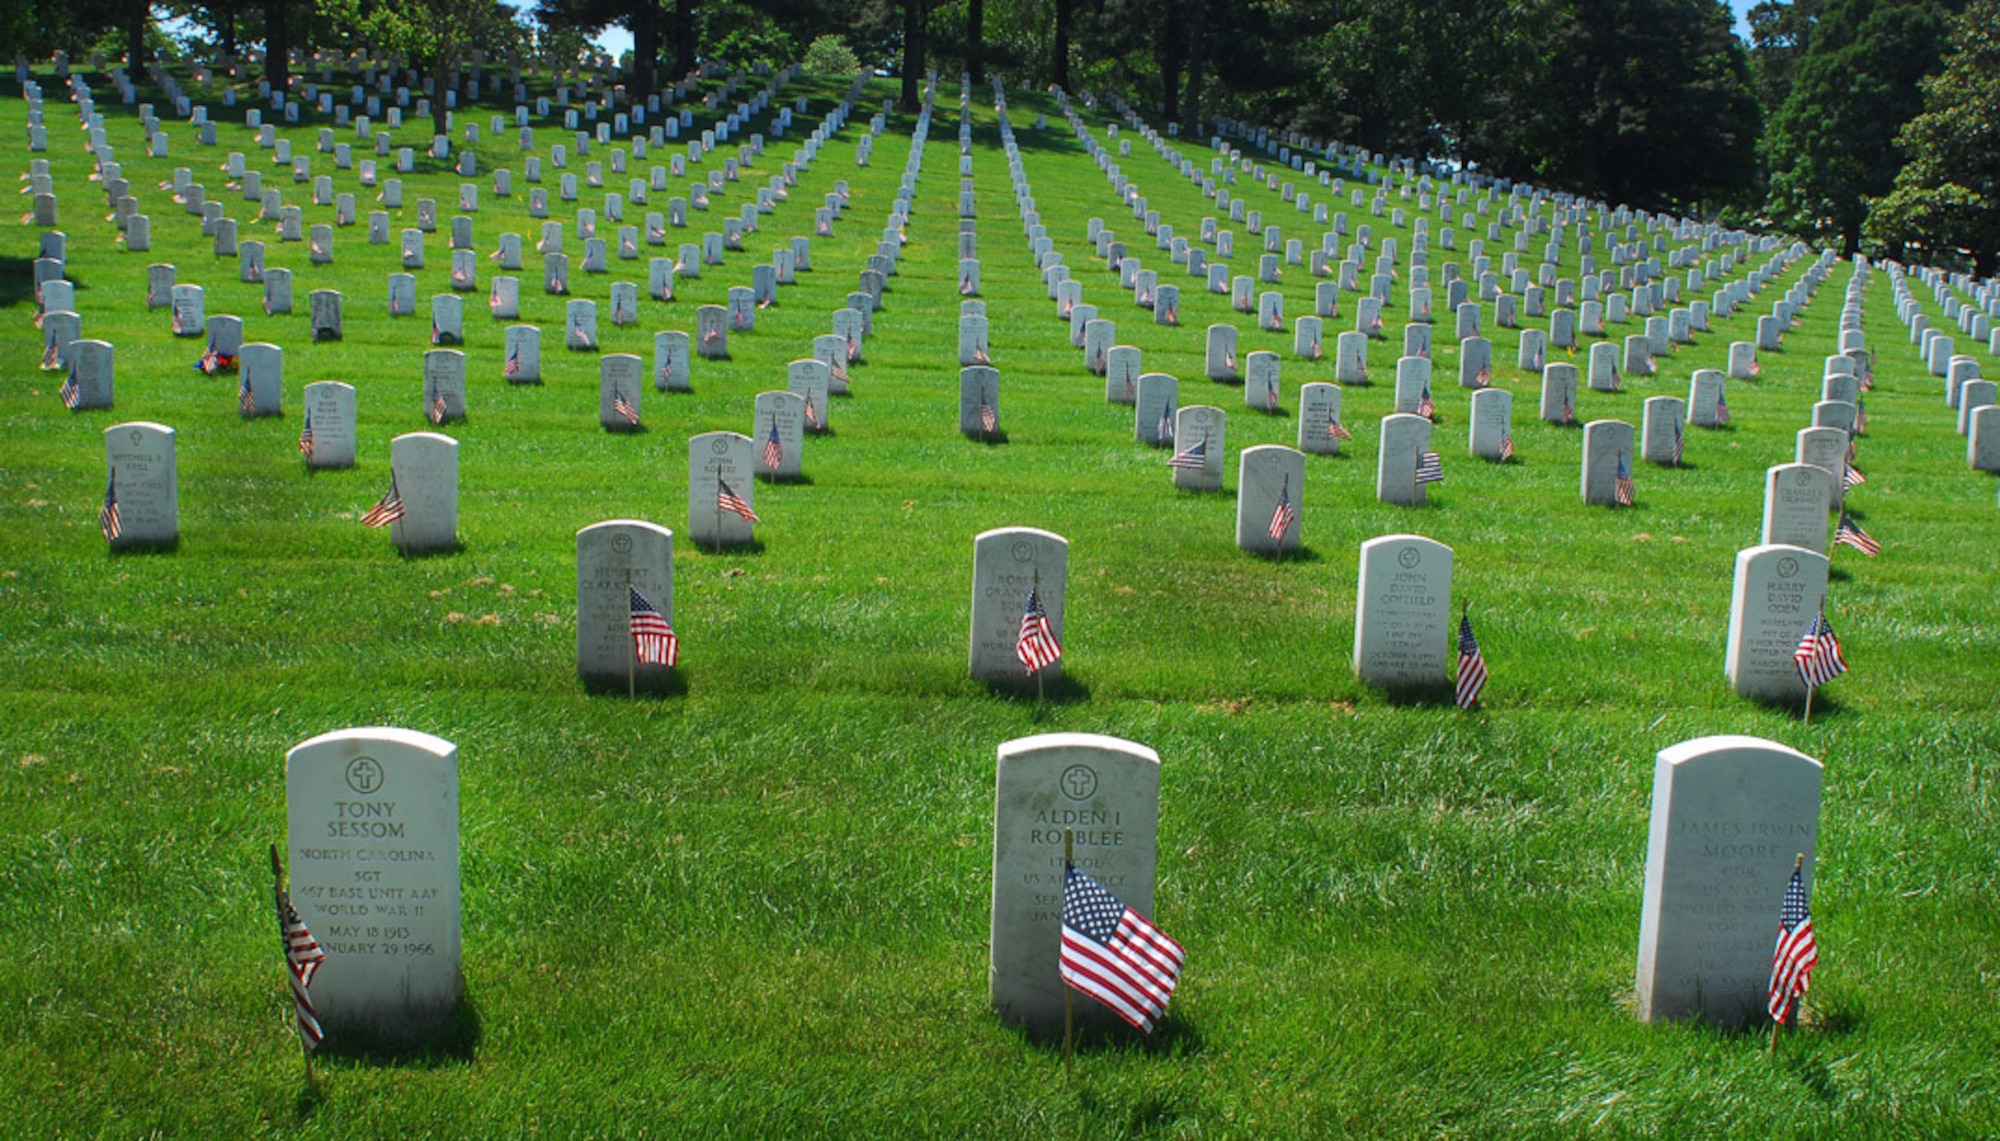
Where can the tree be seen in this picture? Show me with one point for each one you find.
(1780, 35)
(914, 14)
(1947, 197)
(1833, 144)
(1644, 101)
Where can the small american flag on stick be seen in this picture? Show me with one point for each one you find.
(774, 451)
(1430, 468)
(107, 516)
(306, 436)
(728, 500)
(1818, 657)
(624, 408)
(1036, 646)
(1797, 953)
(387, 510)
(1471, 665)
(1283, 516)
(1848, 533)
(1115, 955)
(653, 640)
(1622, 483)
(302, 959)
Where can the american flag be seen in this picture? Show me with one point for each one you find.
(623, 407)
(178, 323)
(1430, 468)
(1036, 646)
(1313, 352)
(1569, 406)
(1622, 484)
(988, 418)
(1271, 396)
(1194, 458)
(1115, 955)
(965, 287)
(653, 640)
(1506, 447)
(1852, 478)
(107, 516)
(1164, 430)
(1283, 517)
(437, 409)
(1721, 409)
(1680, 444)
(71, 392)
(774, 451)
(1425, 408)
(302, 960)
(437, 334)
(1173, 316)
(50, 357)
(245, 398)
(1847, 533)
(1471, 665)
(728, 500)
(1796, 954)
(1818, 656)
(1535, 362)
(1860, 416)
(513, 365)
(1485, 377)
(1336, 429)
(210, 362)
(387, 510)
(461, 276)
(812, 415)
(306, 436)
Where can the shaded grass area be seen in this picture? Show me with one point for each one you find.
(759, 907)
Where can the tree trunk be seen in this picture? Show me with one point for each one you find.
(913, 52)
(1191, 102)
(277, 46)
(645, 49)
(684, 37)
(226, 33)
(1167, 52)
(137, 14)
(1065, 13)
(975, 39)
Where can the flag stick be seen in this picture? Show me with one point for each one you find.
(632, 651)
(277, 896)
(1069, 995)
(1809, 693)
(1797, 865)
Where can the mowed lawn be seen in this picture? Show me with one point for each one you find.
(759, 907)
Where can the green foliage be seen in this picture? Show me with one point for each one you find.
(743, 35)
(1780, 34)
(1833, 143)
(829, 55)
(1947, 197)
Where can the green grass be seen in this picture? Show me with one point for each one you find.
(760, 907)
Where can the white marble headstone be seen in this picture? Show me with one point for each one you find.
(372, 819)
(613, 558)
(1402, 612)
(1007, 563)
(139, 459)
(1776, 593)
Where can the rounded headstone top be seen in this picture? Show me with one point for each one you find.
(408, 738)
(1046, 742)
(1729, 743)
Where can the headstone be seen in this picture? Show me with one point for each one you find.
(1007, 564)
(1260, 382)
(1826, 448)
(425, 475)
(778, 434)
(1320, 426)
(1402, 612)
(261, 382)
(444, 385)
(372, 818)
(712, 333)
(1491, 434)
(1660, 437)
(1405, 440)
(1730, 818)
(1795, 499)
(979, 402)
(1270, 484)
(143, 483)
(329, 424)
(1607, 453)
(1706, 405)
(1105, 794)
(91, 366)
(670, 361)
(1777, 592)
(721, 466)
(325, 307)
(1199, 448)
(613, 559)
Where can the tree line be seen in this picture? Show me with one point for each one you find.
(1867, 124)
